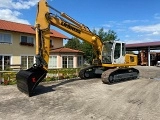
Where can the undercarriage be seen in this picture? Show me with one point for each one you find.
(109, 75)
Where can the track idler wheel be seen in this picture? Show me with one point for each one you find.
(27, 80)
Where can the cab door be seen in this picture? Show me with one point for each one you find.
(107, 53)
(119, 53)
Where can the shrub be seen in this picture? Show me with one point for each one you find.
(9, 78)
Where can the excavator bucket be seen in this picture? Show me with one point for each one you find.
(27, 80)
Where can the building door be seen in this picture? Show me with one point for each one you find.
(4, 62)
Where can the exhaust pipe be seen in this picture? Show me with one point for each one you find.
(27, 80)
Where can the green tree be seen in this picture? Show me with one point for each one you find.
(84, 46)
(74, 43)
(88, 51)
(111, 35)
(106, 36)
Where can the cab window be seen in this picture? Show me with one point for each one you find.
(117, 50)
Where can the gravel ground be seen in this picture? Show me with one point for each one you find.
(151, 72)
(86, 100)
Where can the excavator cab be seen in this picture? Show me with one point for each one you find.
(113, 52)
(27, 80)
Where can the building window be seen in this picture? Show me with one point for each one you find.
(70, 61)
(27, 61)
(51, 44)
(52, 62)
(67, 61)
(27, 40)
(80, 61)
(5, 38)
(4, 62)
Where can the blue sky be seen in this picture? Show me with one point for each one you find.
(132, 20)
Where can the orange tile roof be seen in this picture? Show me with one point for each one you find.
(64, 50)
(24, 28)
(58, 35)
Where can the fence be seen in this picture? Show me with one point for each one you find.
(13, 67)
(9, 77)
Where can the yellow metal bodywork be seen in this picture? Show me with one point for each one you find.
(80, 32)
(27, 80)
(42, 32)
(130, 60)
(66, 23)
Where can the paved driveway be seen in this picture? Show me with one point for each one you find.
(84, 100)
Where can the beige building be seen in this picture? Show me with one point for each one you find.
(65, 58)
(17, 47)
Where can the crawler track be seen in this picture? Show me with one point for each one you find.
(119, 74)
(109, 75)
(88, 72)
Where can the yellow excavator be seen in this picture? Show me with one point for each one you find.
(111, 61)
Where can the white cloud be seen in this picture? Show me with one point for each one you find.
(120, 30)
(134, 21)
(9, 9)
(126, 36)
(157, 16)
(97, 29)
(107, 25)
(132, 41)
(19, 4)
(149, 28)
(155, 33)
(7, 14)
